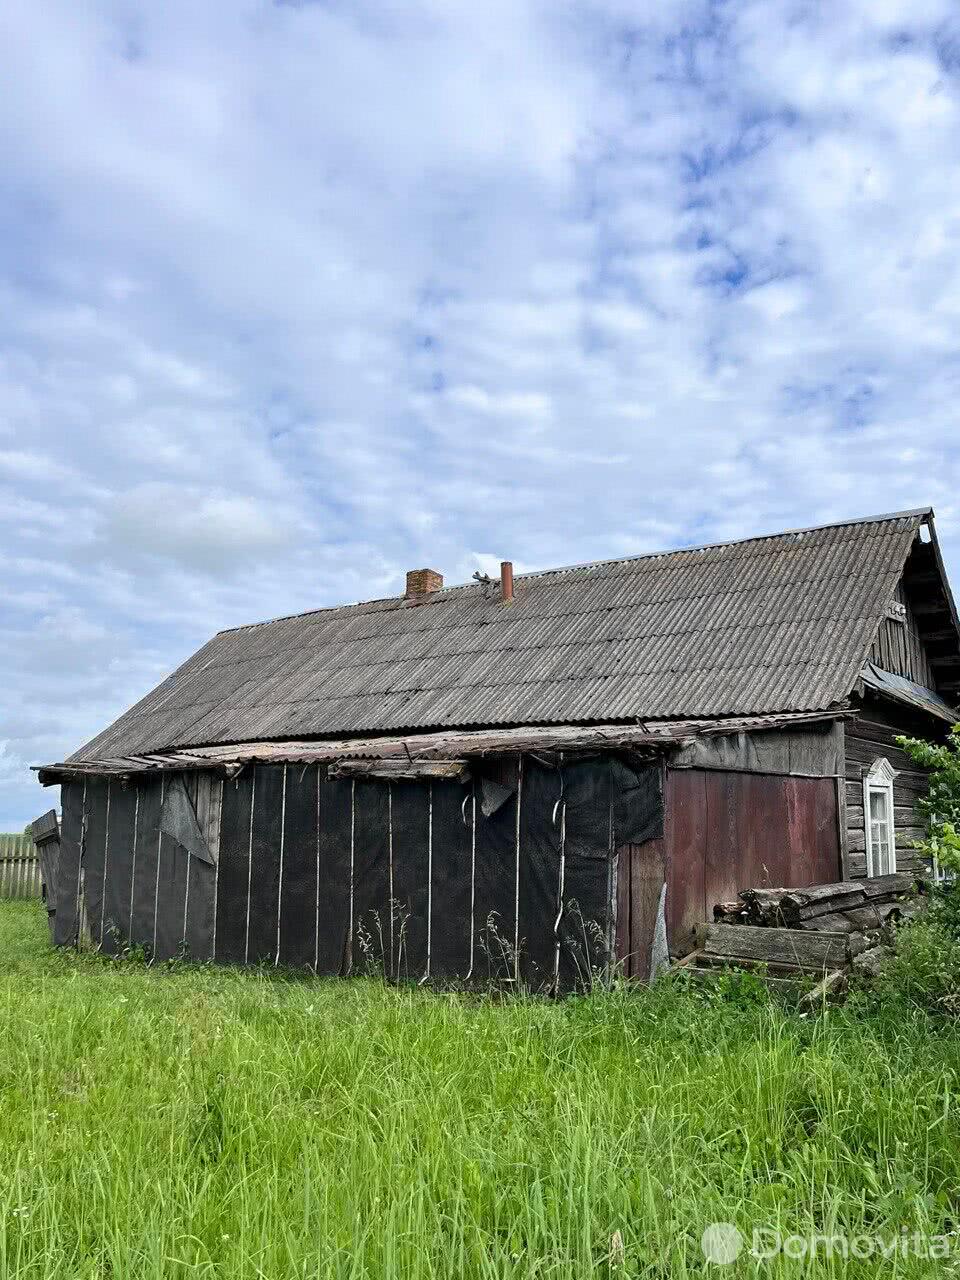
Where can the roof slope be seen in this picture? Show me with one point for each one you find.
(780, 623)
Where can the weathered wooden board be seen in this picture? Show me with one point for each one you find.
(776, 946)
(400, 770)
(899, 646)
(685, 806)
(640, 879)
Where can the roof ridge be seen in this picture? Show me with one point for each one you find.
(916, 512)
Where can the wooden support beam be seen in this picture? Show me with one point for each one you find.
(941, 633)
(927, 607)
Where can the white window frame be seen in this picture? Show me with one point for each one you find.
(879, 780)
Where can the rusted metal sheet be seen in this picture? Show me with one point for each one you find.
(726, 831)
(685, 810)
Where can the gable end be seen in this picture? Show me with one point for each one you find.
(919, 637)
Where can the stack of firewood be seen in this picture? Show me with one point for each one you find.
(851, 906)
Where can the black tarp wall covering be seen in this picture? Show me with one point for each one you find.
(408, 878)
(495, 923)
(411, 869)
(233, 876)
(637, 803)
(266, 850)
(171, 895)
(118, 881)
(371, 876)
(201, 889)
(298, 883)
(95, 854)
(336, 853)
(145, 864)
(585, 918)
(540, 864)
(450, 888)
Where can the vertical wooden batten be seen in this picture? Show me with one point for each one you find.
(841, 782)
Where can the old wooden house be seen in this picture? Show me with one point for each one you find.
(523, 778)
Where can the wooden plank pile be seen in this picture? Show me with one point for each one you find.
(820, 932)
(781, 956)
(851, 906)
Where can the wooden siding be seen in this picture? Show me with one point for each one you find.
(19, 867)
(900, 649)
(727, 831)
(640, 878)
(870, 735)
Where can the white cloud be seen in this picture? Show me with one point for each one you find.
(293, 298)
(20, 465)
(197, 527)
(523, 405)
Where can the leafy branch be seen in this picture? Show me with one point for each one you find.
(940, 807)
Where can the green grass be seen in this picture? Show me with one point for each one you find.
(203, 1122)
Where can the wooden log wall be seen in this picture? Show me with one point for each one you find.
(871, 734)
(19, 867)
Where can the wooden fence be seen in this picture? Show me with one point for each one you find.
(19, 867)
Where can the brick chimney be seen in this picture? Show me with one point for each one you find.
(422, 582)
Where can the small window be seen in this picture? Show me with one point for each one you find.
(878, 819)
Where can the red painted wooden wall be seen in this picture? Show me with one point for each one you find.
(640, 876)
(731, 831)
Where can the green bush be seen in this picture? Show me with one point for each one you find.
(925, 969)
(940, 807)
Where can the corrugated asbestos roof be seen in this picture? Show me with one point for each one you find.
(767, 625)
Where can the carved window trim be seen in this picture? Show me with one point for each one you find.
(878, 818)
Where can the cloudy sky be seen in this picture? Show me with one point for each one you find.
(296, 296)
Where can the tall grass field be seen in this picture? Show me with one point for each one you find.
(202, 1122)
